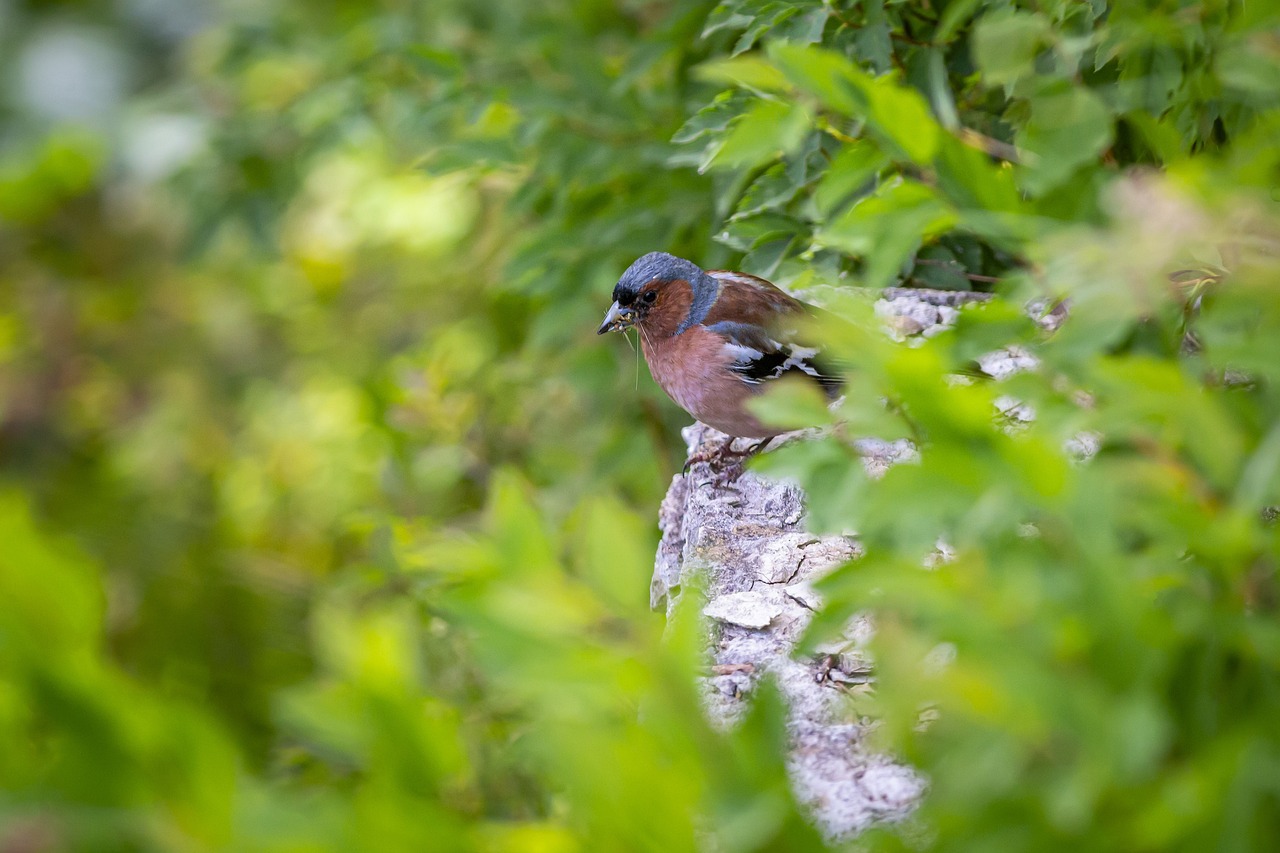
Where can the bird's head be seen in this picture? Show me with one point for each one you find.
(658, 284)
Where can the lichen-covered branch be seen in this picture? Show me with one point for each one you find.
(742, 540)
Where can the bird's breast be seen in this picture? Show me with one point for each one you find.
(686, 365)
(693, 368)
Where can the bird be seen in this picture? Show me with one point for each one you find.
(713, 339)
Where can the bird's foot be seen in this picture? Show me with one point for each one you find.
(724, 458)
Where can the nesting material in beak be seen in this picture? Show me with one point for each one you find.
(617, 319)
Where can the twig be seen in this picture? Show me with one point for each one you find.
(994, 147)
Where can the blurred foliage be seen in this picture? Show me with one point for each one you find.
(327, 521)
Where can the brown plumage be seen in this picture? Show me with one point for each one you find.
(713, 338)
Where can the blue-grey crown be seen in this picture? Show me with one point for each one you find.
(659, 266)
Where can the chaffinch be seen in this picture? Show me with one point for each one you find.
(713, 338)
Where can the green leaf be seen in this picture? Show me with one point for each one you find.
(1005, 45)
(900, 115)
(956, 14)
(1250, 72)
(765, 132)
(1068, 128)
(725, 16)
(971, 179)
(831, 78)
(986, 195)
(712, 119)
(897, 114)
(791, 404)
(850, 171)
(887, 227)
(751, 231)
(939, 89)
(772, 189)
(806, 27)
(767, 254)
(1161, 137)
(1261, 478)
(750, 71)
(784, 21)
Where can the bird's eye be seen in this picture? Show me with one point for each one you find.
(649, 296)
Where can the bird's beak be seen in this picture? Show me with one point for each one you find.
(617, 319)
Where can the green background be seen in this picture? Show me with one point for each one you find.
(326, 521)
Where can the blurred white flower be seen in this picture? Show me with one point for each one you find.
(71, 73)
(155, 146)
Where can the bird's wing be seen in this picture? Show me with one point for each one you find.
(750, 299)
(758, 356)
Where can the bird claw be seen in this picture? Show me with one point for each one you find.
(723, 457)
